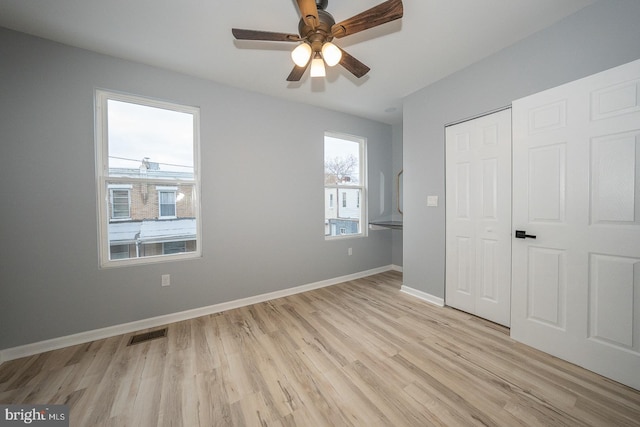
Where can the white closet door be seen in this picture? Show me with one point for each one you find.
(576, 187)
(478, 206)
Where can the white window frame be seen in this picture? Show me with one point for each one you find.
(362, 185)
(104, 181)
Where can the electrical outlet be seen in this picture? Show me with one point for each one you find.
(350, 252)
(166, 279)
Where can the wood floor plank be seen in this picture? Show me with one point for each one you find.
(360, 353)
(360, 409)
(146, 405)
(383, 396)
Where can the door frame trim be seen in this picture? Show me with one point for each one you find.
(477, 116)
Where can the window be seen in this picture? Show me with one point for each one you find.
(174, 247)
(167, 202)
(147, 177)
(120, 199)
(119, 251)
(344, 177)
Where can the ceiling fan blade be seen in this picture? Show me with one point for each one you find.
(241, 34)
(309, 12)
(377, 15)
(352, 65)
(297, 73)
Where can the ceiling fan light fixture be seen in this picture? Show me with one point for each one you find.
(317, 67)
(331, 54)
(301, 54)
(317, 28)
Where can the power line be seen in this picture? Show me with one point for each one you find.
(140, 161)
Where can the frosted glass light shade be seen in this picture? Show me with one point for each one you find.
(301, 54)
(317, 67)
(331, 54)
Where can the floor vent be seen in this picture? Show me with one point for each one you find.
(148, 336)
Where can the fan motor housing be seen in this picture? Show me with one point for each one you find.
(322, 33)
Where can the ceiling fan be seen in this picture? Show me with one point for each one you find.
(317, 28)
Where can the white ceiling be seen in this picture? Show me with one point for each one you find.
(434, 39)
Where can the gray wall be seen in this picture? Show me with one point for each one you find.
(598, 37)
(262, 195)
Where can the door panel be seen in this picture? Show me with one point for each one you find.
(613, 283)
(489, 188)
(488, 262)
(479, 216)
(613, 189)
(576, 181)
(464, 261)
(546, 293)
(547, 172)
(462, 195)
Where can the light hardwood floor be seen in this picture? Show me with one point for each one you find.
(356, 354)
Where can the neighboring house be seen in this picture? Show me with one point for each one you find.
(342, 211)
(150, 219)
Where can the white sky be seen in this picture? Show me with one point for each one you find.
(336, 147)
(138, 131)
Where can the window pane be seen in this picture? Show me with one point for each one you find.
(167, 210)
(345, 219)
(341, 161)
(167, 197)
(341, 227)
(149, 142)
(143, 232)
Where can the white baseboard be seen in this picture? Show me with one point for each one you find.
(395, 267)
(153, 322)
(423, 296)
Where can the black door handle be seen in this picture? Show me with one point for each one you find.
(521, 234)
